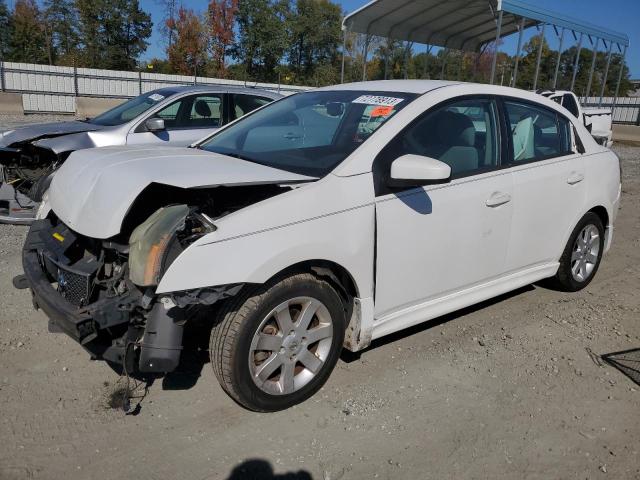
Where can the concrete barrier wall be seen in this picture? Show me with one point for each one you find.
(11, 103)
(90, 107)
(626, 134)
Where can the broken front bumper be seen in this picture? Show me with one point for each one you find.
(153, 345)
(16, 208)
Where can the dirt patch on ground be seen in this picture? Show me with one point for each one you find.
(512, 388)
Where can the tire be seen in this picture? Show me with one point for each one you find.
(40, 186)
(251, 340)
(571, 277)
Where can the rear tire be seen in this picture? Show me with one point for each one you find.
(277, 344)
(582, 254)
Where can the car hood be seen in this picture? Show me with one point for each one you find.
(95, 188)
(27, 133)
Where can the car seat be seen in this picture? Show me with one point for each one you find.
(456, 138)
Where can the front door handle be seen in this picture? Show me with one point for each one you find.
(574, 178)
(498, 199)
(292, 136)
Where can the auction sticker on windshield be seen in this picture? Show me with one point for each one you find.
(156, 97)
(378, 100)
(381, 111)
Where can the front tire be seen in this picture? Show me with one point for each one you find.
(277, 344)
(582, 255)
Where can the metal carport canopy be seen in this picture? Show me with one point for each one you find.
(468, 25)
(460, 24)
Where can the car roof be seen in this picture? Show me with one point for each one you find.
(400, 86)
(218, 89)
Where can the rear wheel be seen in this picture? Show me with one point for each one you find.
(582, 254)
(277, 345)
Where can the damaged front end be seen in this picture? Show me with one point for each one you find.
(102, 292)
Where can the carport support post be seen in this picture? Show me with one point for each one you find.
(576, 63)
(495, 52)
(535, 77)
(615, 95)
(405, 61)
(555, 75)
(1, 75)
(606, 74)
(593, 67)
(386, 59)
(365, 53)
(344, 53)
(426, 61)
(445, 54)
(515, 68)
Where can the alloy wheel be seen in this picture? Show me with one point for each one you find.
(291, 345)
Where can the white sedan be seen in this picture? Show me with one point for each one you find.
(325, 219)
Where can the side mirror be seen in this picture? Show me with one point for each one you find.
(416, 170)
(154, 125)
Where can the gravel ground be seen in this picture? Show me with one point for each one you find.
(512, 388)
(9, 121)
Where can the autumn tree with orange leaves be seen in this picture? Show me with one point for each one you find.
(187, 54)
(221, 16)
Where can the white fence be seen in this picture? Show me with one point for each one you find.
(626, 111)
(47, 88)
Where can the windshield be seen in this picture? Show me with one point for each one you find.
(129, 110)
(308, 133)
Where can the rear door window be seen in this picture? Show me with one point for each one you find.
(206, 111)
(537, 133)
(570, 104)
(243, 104)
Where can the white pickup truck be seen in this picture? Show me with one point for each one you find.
(597, 120)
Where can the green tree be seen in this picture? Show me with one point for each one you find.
(5, 29)
(27, 42)
(61, 18)
(113, 33)
(262, 37)
(314, 27)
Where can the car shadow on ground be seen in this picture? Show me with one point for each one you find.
(626, 361)
(195, 354)
(349, 357)
(257, 469)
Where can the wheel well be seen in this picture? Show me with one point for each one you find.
(335, 273)
(602, 213)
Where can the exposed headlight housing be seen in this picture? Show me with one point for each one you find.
(154, 244)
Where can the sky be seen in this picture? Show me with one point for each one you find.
(620, 15)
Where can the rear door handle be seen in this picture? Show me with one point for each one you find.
(498, 199)
(574, 178)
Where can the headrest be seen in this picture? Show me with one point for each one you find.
(202, 109)
(455, 129)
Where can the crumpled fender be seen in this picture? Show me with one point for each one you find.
(78, 141)
(331, 220)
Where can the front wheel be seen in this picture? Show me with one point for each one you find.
(276, 346)
(582, 254)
